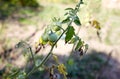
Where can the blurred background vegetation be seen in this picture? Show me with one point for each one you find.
(23, 19)
(8, 7)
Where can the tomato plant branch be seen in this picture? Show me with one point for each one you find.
(45, 59)
(48, 55)
(32, 55)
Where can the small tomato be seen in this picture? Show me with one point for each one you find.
(52, 37)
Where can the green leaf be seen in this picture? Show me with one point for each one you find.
(69, 9)
(54, 19)
(37, 63)
(77, 21)
(24, 46)
(69, 34)
(73, 40)
(21, 75)
(66, 14)
(79, 44)
(13, 75)
(81, 2)
(66, 20)
(95, 24)
(86, 47)
(70, 61)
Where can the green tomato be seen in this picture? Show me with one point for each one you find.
(45, 37)
(52, 37)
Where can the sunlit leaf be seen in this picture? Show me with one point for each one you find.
(66, 20)
(66, 14)
(79, 44)
(69, 34)
(77, 21)
(74, 39)
(69, 9)
(54, 19)
(95, 24)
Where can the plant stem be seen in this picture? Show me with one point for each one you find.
(32, 55)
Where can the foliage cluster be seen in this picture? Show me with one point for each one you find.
(8, 7)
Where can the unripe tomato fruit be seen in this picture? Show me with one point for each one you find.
(52, 37)
(45, 37)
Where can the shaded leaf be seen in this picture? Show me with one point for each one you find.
(37, 63)
(21, 75)
(81, 52)
(69, 34)
(24, 46)
(70, 61)
(86, 47)
(81, 2)
(15, 74)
